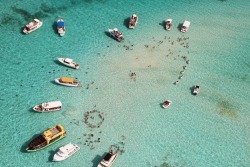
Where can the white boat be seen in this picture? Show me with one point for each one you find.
(69, 62)
(32, 26)
(65, 152)
(67, 81)
(133, 21)
(166, 104)
(61, 27)
(185, 26)
(196, 89)
(116, 34)
(108, 160)
(48, 106)
(168, 24)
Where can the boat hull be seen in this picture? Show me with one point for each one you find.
(37, 106)
(72, 65)
(25, 31)
(45, 145)
(60, 157)
(166, 104)
(57, 80)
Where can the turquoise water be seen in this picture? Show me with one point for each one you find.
(210, 130)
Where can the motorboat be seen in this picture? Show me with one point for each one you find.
(48, 106)
(133, 21)
(108, 160)
(185, 26)
(67, 81)
(196, 89)
(166, 104)
(32, 26)
(47, 138)
(69, 62)
(65, 152)
(168, 24)
(61, 27)
(116, 34)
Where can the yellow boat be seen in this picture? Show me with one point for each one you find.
(47, 138)
(67, 81)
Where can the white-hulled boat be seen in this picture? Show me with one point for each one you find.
(196, 89)
(185, 26)
(133, 21)
(69, 62)
(32, 26)
(65, 152)
(61, 27)
(168, 24)
(116, 34)
(67, 81)
(166, 104)
(48, 106)
(108, 160)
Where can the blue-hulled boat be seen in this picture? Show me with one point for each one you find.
(61, 27)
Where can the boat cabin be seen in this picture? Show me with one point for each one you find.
(68, 60)
(54, 133)
(67, 80)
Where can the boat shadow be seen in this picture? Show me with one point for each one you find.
(52, 153)
(24, 146)
(31, 110)
(108, 34)
(163, 23)
(126, 22)
(161, 105)
(191, 90)
(97, 160)
(54, 27)
(58, 63)
(179, 26)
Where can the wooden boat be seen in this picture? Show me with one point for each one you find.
(47, 138)
(69, 62)
(168, 24)
(65, 152)
(108, 160)
(32, 26)
(48, 106)
(67, 81)
(196, 89)
(166, 104)
(61, 27)
(185, 26)
(133, 21)
(116, 34)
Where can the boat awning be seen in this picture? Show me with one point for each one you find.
(68, 60)
(186, 23)
(52, 104)
(60, 24)
(64, 79)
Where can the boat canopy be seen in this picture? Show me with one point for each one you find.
(68, 60)
(107, 157)
(60, 23)
(53, 131)
(36, 20)
(64, 79)
(52, 104)
(186, 23)
(170, 20)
